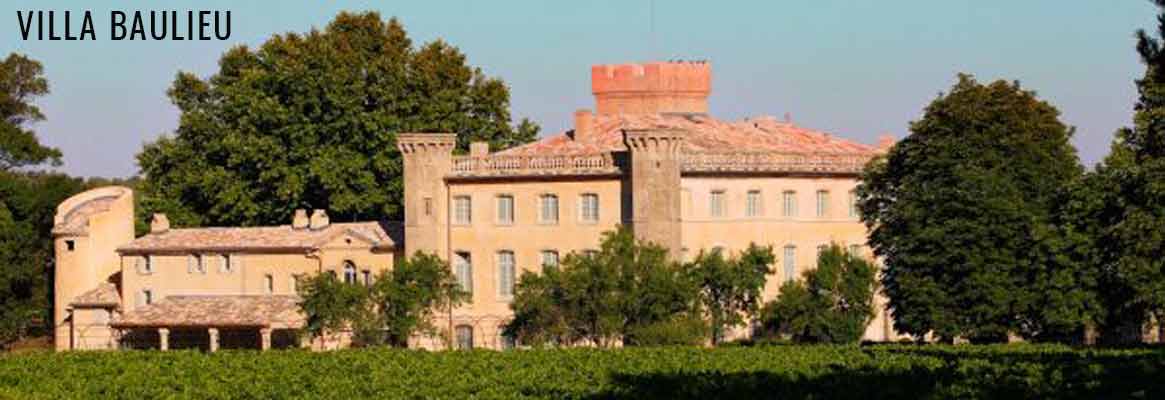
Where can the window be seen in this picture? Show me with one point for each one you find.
(349, 272)
(194, 263)
(752, 205)
(146, 297)
(224, 264)
(464, 337)
(853, 204)
(505, 209)
(591, 253)
(549, 258)
(589, 207)
(549, 209)
(463, 271)
(790, 262)
(269, 283)
(462, 210)
(366, 277)
(822, 203)
(145, 265)
(505, 273)
(789, 203)
(855, 250)
(70, 245)
(428, 206)
(294, 281)
(716, 204)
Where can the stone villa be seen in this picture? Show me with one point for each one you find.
(649, 156)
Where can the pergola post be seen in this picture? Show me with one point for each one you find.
(163, 339)
(265, 339)
(213, 339)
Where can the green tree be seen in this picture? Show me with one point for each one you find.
(1129, 188)
(730, 289)
(332, 306)
(833, 304)
(408, 297)
(628, 291)
(21, 81)
(956, 208)
(310, 120)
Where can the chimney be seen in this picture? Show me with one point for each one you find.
(159, 224)
(885, 142)
(300, 220)
(319, 219)
(584, 124)
(479, 149)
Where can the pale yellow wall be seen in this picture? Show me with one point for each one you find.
(90, 329)
(94, 258)
(171, 277)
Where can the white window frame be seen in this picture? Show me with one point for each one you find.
(462, 210)
(464, 336)
(789, 261)
(853, 204)
(196, 263)
(822, 203)
(753, 203)
(349, 270)
(504, 203)
(716, 206)
(549, 254)
(588, 213)
(789, 204)
(463, 270)
(507, 273)
(548, 208)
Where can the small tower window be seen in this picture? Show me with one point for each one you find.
(70, 245)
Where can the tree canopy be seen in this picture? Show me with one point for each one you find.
(832, 304)
(956, 208)
(730, 288)
(309, 121)
(21, 81)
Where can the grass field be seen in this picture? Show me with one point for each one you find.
(819, 372)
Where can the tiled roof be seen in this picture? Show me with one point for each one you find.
(382, 235)
(77, 220)
(278, 311)
(705, 134)
(104, 295)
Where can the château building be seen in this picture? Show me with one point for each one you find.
(649, 157)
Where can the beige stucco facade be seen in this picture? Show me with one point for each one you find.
(650, 159)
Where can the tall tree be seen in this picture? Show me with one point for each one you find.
(956, 208)
(1129, 216)
(833, 304)
(730, 289)
(22, 80)
(309, 121)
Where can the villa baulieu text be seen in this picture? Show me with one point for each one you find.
(125, 25)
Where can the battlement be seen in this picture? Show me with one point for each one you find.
(656, 87)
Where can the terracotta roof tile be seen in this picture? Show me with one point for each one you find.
(380, 234)
(104, 295)
(279, 311)
(705, 135)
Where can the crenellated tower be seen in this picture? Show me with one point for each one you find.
(428, 157)
(659, 87)
(654, 181)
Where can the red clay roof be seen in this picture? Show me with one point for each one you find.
(104, 295)
(381, 234)
(705, 134)
(279, 311)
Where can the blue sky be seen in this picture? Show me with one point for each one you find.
(856, 68)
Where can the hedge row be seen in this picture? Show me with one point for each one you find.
(1023, 371)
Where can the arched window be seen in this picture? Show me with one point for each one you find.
(349, 272)
(464, 337)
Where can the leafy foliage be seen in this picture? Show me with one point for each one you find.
(730, 289)
(956, 208)
(310, 120)
(397, 306)
(1125, 218)
(833, 304)
(21, 81)
(602, 298)
(797, 372)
